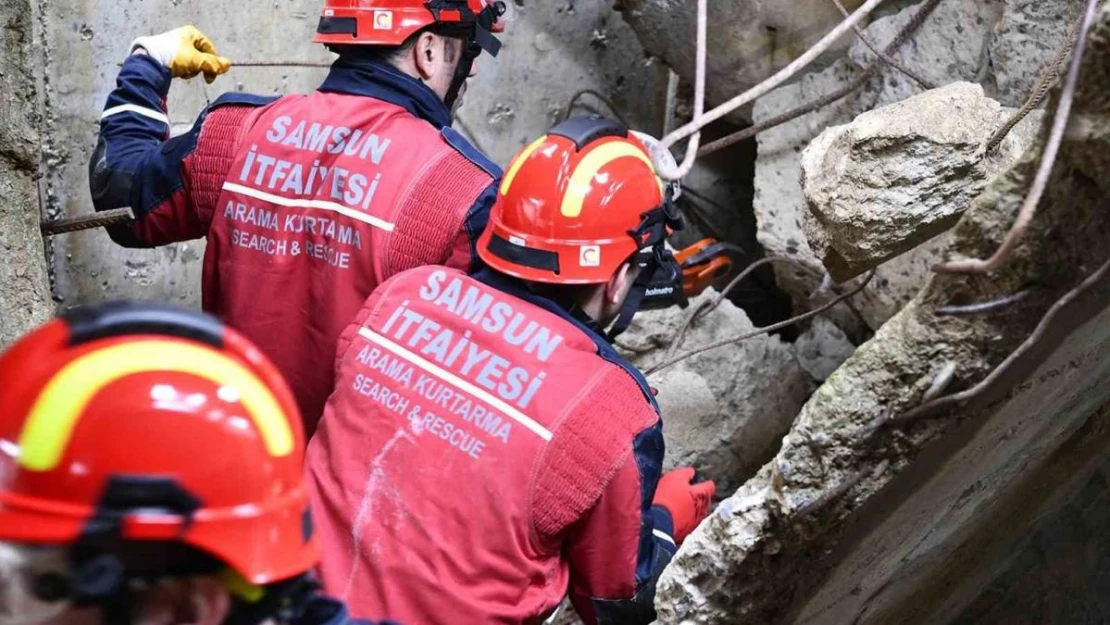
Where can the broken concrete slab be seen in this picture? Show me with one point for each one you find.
(950, 46)
(748, 40)
(726, 410)
(24, 286)
(1058, 576)
(1029, 36)
(869, 516)
(822, 348)
(901, 174)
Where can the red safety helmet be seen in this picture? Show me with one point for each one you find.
(391, 22)
(130, 424)
(576, 204)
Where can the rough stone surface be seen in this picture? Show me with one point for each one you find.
(748, 40)
(1059, 574)
(24, 288)
(865, 517)
(950, 46)
(550, 53)
(822, 348)
(900, 175)
(724, 411)
(1030, 35)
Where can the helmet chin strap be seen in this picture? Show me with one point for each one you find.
(284, 602)
(477, 37)
(470, 53)
(654, 258)
(631, 304)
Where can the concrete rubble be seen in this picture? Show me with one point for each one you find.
(950, 46)
(822, 348)
(902, 174)
(726, 410)
(991, 510)
(872, 514)
(24, 285)
(1027, 37)
(748, 41)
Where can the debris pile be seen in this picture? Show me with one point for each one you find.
(725, 411)
(952, 44)
(920, 466)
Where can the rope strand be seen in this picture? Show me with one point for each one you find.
(771, 328)
(1048, 161)
(702, 120)
(859, 81)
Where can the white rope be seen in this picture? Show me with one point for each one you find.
(664, 169)
(702, 120)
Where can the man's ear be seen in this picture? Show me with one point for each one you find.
(195, 601)
(618, 285)
(426, 53)
(211, 601)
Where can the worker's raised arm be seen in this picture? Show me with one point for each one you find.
(137, 165)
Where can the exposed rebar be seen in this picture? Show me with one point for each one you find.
(102, 219)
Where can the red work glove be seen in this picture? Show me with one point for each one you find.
(687, 502)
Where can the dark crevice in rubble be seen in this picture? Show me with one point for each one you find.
(717, 202)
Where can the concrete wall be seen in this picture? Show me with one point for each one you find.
(965, 508)
(551, 51)
(1060, 573)
(24, 290)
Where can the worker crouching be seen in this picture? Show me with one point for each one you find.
(486, 450)
(151, 473)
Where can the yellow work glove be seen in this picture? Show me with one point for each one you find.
(186, 52)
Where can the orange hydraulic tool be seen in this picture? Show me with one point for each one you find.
(703, 263)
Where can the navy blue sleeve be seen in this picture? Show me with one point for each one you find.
(657, 544)
(321, 610)
(137, 165)
(477, 217)
(133, 126)
(604, 589)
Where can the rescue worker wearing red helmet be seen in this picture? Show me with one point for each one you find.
(486, 450)
(307, 202)
(151, 472)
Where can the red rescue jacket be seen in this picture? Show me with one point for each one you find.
(485, 453)
(308, 202)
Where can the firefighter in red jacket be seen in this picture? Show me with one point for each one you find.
(151, 472)
(308, 202)
(486, 450)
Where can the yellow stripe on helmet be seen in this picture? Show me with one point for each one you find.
(597, 158)
(514, 168)
(55, 413)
